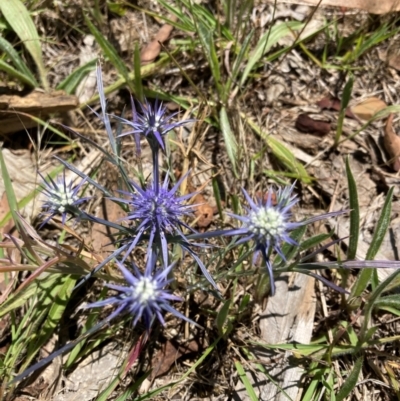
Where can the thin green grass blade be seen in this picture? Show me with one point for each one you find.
(17, 300)
(388, 301)
(222, 317)
(186, 24)
(90, 322)
(266, 42)
(21, 22)
(11, 198)
(376, 293)
(246, 382)
(106, 393)
(287, 158)
(283, 154)
(133, 388)
(110, 52)
(343, 106)
(17, 61)
(351, 380)
(379, 234)
(229, 139)
(60, 296)
(12, 72)
(70, 83)
(238, 61)
(137, 81)
(354, 213)
(207, 41)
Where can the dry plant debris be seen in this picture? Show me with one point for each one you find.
(371, 6)
(283, 96)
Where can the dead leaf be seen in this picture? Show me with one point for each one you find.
(368, 107)
(305, 123)
(372, 6)
(264, 197)
(204, 212)
(152, 50)
(168, 355)
(333, 103)
(392, 143)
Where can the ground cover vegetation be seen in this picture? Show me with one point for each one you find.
(203, 172)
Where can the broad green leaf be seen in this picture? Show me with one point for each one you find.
(70, 83)
(229, 139)
(17, 61)
(351, 380)
(354, 213)
(269, 39)
(21, 22)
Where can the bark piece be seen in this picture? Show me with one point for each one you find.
(371, 6)
(16, 111)
(288, 317)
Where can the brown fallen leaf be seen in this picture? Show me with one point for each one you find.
(372, 6)
(333, 103)
(392, 144)
(152, 50)
(264, 197)
(393, 56)
(169, 354)
(203, 212)
(305, 123)
(368, 107)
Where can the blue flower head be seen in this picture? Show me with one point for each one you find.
(158, 212)
(267, 223)
(152, 122)
(62, 198)
(145, 296)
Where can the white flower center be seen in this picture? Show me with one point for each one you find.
(267, 222)
(145, 290)
(63, 199)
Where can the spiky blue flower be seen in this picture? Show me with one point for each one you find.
(145, 297)
(152, 122)
(158, 211)
(268, 224)
(62, 197)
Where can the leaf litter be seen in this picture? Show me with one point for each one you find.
(297, 95)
